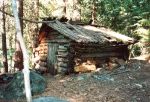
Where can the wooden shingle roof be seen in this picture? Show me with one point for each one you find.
(88, 34)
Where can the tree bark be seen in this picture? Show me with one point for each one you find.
(18, 57)
(93, 12)
(65, 8)
(20, 9)
(4, 44)
(37, 12)
(35, 32)
(26, 70)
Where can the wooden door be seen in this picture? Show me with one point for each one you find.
(51, 58)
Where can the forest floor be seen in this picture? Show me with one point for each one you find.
(128, 83)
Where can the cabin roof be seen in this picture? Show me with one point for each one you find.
(88, 33)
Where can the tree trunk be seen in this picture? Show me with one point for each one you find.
(20, 9)
(35, 34)
(37, 14)
(18, 57)
(93, 12)
(34, 28)
(26, 70)
(65, 9)
(4, 45)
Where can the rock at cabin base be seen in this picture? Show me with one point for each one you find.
(15, 89)
(84, 68)
(49, 99)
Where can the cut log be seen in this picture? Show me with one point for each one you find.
(43, 55)
(41, 63)
(36, 59)
(62, 64)
(43, 52)
(43, 58)
(37, 66)
(62, 59)
(62, 70)
(61, 50)
(43, 44)
(62, 53)
(110, 54)
(62, 47)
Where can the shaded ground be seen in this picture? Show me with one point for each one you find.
(129, 83)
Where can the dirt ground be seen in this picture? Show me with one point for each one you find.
(128, 83)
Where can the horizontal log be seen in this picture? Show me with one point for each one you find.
(74, 44)
(54, 33)
(62, 60)
(44, 48)
(43, 44)
(43, 52)
(60, 64)
(62, 56)
(43, 58)
(100, 49)
(62, 47)
(62, 69)
(36, 59)
(110, 54)
(43, 68)
(56, 41)
(37, 66)
(41, 63)
(36, 49)
(62, 53)
(62, 50)
(43, 55)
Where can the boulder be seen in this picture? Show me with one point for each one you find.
(15, 89)
(49, 99)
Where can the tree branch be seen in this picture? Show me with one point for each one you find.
(27, 20)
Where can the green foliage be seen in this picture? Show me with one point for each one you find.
(130, 17)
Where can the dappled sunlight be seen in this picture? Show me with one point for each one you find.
(142, 31)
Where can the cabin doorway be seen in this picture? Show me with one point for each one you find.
(52, 58)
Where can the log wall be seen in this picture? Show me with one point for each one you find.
(41, 57)
(99, 53)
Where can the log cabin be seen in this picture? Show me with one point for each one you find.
(62, 44)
